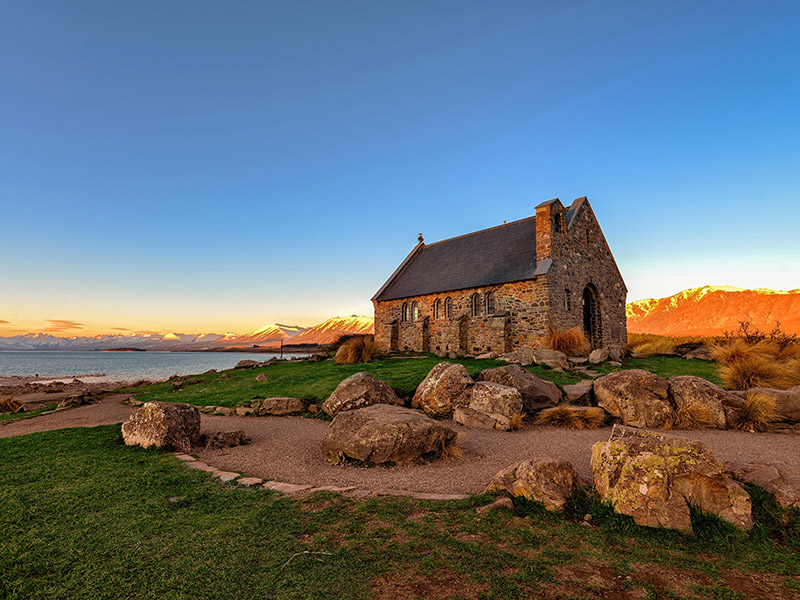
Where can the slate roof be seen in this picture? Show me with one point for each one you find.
(500, 254)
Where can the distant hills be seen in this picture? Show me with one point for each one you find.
(267, 336)
(712, 310)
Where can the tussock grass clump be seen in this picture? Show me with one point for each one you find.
(517, 421)
(570, 341)
(758, 412)
(9, 404)
(753, 371)
(649, 344)
(450, 451)
(357, 349)
(691, 416)
(572, 417)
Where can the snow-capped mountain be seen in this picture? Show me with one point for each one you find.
(327, 332)
(274, 332)
(712, 310)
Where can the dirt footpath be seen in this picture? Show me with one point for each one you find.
(287, 449)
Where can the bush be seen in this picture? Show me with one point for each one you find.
(758, 412)
(10, 405)
(692, 416)
(571, 341)
(572, 417)
(357, 349)
(755, 371)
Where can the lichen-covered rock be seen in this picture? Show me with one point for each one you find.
(782, 482)
(638, 398)
(468, 417)
(536, 393)
(523, 356)
(581, 393)
(548, 481)
(655, 479)
(499, 402)
(164, 425)
(446, 387)
(281, 405)
(357, 391)
(688, 391)
(552, 358)
(384, 433)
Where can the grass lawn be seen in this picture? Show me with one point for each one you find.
(315, 381)
(84, 517)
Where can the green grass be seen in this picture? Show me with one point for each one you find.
(314, 381)
(85, 517)
(4, 417)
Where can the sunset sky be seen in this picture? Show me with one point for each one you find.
(214, 166)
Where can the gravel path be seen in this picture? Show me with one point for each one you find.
(287, 449)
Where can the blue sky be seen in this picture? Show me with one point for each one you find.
(202, 166)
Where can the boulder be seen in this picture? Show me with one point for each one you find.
(689, 391)
(383, 433)
(700, 353)
(164, 425)
(637, 397)
(244, 411)
(655, 478)
(247, 364)
(222, 439)
(469, 417)
(543, 479)
(581, 393)
(536, 393)
(487, 356)
(224, 410)
(499, 402)
(445, 387)
(782, 482)
(357, 391)
(523, 356)
(552, 358)
(597, 356)
(787, 402)
(262, 377)
(281, 405)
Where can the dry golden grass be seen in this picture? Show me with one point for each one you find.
(517, 421)
(570, 341)
(572, 417)
(755, 371)
(647, 344)
(692, 416)
(450, 451)
(728, 352)
(356, 350)
(10, 404)
(758, 412)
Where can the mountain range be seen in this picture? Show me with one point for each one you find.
(713, 310)
(269, 335)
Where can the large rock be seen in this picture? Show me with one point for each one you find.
(781, 481)
(222, 439)
(536, 393)
(598, 355)
(281, 405)
(383, 433)
(637, 397)
(247, 364)
(523, 356)
(446, 387)
(164, 425)
(548, 481)
(498, 402)
(699, 353)
(469, 417)
(581, 393)
(689, 391)
(787, 402)
(551, 358)
(655, 479)
(357, 391)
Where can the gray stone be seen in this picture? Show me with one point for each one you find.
(536, 393)
(223, 410)
(552, 358)
(281, 405)
(782, 482)
(787, 402)
(289, 489)
(580, 393)
(551, 482)
(249, 481)
(597, 356)
(358, 391)
(164, 425)
(502, 503)
(244, 411)
(200, 466)
(689, 391)
(638, 398)
(469, 417)
(446, 387)
(225, 476)
(500, 402)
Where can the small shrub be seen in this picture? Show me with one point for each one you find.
(450, 451)
(517, 421)
(692, 416)
(571, 417)
(759, 411)
(357, 349)
(752, 371)
(9, 404)
(571, 341)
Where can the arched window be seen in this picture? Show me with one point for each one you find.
(404, 315)
(414, 311)
(475, 305)
(489, 301)
(437, 309)
(448, 308)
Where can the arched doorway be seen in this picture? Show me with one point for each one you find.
(592, 323)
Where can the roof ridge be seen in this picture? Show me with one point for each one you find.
(458, 237)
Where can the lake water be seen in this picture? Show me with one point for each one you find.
(119, 366)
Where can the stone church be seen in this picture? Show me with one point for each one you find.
(499, 289)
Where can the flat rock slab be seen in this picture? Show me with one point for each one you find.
(225, 476)
(249, 481)
(286, 488)
(200, 466)
(185, 457)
